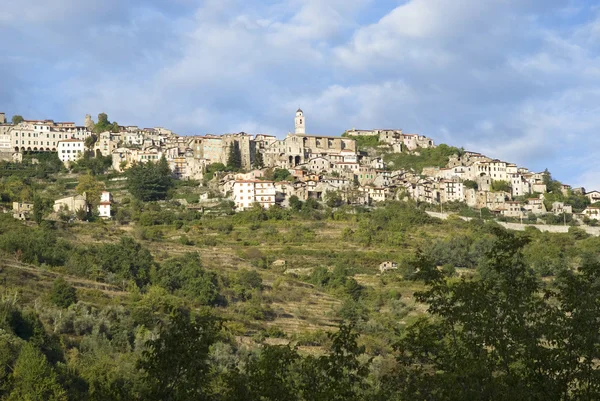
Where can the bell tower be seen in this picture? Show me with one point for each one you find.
(300, 122)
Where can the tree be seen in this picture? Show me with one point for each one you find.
(63, 294)
(295, 203)
(17, 119)
(333, 198)
(176, 364)
(492, 338)
(501, 186)
(258, 162)
(104, 124)
(470, 184)
(269, 377)
(34, 379)
(127, 260)
(150, 181)
(90, 141)
(185, 276)
(115, 127)
(234, 159)
(92, 188)
(339, 375)
(41, 206)
(281, 174)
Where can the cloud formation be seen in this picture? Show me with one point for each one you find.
(516, 79)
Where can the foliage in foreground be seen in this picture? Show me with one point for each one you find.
(502, 335)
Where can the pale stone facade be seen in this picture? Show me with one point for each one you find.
(71, 203)
(70, 150)
(22, 210)
(593, 196)
(248, 192)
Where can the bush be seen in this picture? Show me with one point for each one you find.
(63, 294)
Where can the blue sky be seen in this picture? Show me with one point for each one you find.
(515, 79)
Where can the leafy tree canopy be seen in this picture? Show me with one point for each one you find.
(150, 181)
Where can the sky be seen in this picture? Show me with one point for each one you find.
(517, 80)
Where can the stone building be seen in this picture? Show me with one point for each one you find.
(535, 206)
(512, 209)
(71, 203)
(69, 150)
(592, 212)
(44, 135)
(248, 192)
(21, 210)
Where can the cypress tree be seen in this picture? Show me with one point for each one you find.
(234, 161)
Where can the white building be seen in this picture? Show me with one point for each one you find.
(70, 150)
(104, 205)
(592, 212)
(593, 196)
(248, 192)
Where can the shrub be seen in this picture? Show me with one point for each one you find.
(63, 294)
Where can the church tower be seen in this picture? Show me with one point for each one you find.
(300, 122)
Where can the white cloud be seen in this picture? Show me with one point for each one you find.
(515, 78)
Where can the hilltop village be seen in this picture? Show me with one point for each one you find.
(356, 168)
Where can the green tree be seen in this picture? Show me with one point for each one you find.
(104, 124)
(486, 337)
(127, 260)
(295, 203)
(41, 207)
(333, 198)
(17, 119)
(501, 186)
(90, 141)
(176, 364)
(340, 375)
(234, 158)
(258, 162)
(150, 181)
(63, 294)
(34, 379)
(281, 174)
(92, 188)
(184, 275)
(268, 377)
(470, 184)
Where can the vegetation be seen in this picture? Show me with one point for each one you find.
(365, 142)
(92, 188)
(500, 186)
(470, 184)
(281, 174)
(63, 294)
(234, 158)
(103, 125)
(17, 119)
(258, 162)
(150, 181)
(427, 157)
(92, 164)
(168, 302)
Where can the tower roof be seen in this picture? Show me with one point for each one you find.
(299, 110)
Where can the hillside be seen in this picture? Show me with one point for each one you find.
(271, 278)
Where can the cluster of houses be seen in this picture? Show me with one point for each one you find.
(317, 165)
